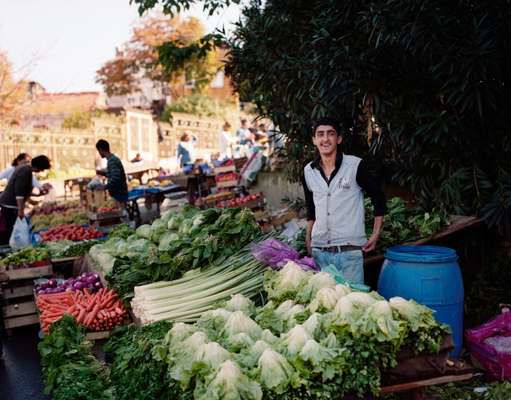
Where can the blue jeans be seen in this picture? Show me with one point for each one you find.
(349, 263)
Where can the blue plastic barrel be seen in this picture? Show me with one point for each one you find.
(431, 276)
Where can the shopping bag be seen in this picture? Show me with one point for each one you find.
(21, 234)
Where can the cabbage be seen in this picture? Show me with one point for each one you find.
(158, 229)
(295, 339)
(228, 383)
(415, 314)
(166, 240)
(179, 332)
(144, 231)
(280, 318)
(240, 323)
(269, 337)
(167, 215)
(212, 322)
(174, 223)
(313, 285)
(379, 322)
(286, 282)
(250, 356)
(275, 372)
(330, 341)
(312, 324)
(350, 308)
(240, 341)
(342, 290)
(325, 300)
(182, 356)
(325, 361)
(211, 355)
(238, 302)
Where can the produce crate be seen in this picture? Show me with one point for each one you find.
(29, 273)
(21, 321)
(95, 199)
(13, 292)
(227, 184)
(18, 309)
(227, 168)
(96, 216)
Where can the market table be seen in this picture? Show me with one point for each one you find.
(151, 195)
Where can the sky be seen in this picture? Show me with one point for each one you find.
(62, 43)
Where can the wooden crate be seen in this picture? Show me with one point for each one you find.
(13, 292)
(227, 184)
(24, 320)
(228, 168)
(18, 309)
(96, 199)
(29, 273)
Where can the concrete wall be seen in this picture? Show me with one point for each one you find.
(275, 186)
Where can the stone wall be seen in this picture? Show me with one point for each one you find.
(76, 148)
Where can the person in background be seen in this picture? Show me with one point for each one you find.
(18, 191)
(116, 178)
(186, 149)
(334, 185)
(24, 159)
(225, 142)
(243, 134)
(138, 158)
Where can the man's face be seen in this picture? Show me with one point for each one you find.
(326, 139)
(101, 153)
(25, 161)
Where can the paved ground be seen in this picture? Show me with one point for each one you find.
(20, 371)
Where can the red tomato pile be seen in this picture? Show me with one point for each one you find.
(241, 201)
(72, 232)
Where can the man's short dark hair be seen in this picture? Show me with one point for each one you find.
(103, 145)
(41, 163)
(334, 123)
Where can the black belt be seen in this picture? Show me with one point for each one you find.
(339, 249)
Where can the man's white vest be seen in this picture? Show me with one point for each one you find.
(339, 206)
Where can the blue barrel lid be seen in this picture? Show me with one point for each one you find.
(421, 254)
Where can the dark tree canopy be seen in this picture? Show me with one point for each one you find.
(421, 85)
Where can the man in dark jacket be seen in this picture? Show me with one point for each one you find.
(18, 190)
(116, 178)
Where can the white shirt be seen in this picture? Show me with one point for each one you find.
(225, 139)
(7, 173)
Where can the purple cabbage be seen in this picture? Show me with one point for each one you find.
(276, 254)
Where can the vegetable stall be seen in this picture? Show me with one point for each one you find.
(205, 305)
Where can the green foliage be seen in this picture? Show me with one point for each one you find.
(424, 83)
(70, 370)
(465, 391)
(199, 104)
(134, 371)
(77, 120)
(487, 289)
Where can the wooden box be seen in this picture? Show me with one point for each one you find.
(227, 184)
(18, 309)
(96, 199)
(228, 168)
(29, 273)
(24, 320)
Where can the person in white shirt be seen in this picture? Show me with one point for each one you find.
(23, 159)
(225, 141)
(243, 134)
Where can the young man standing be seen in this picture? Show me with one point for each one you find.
(334, 184)
(116, 178)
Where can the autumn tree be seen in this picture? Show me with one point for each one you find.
(11, 92)
(138, 59)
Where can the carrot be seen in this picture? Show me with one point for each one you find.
(81, 316)
(93, 314)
